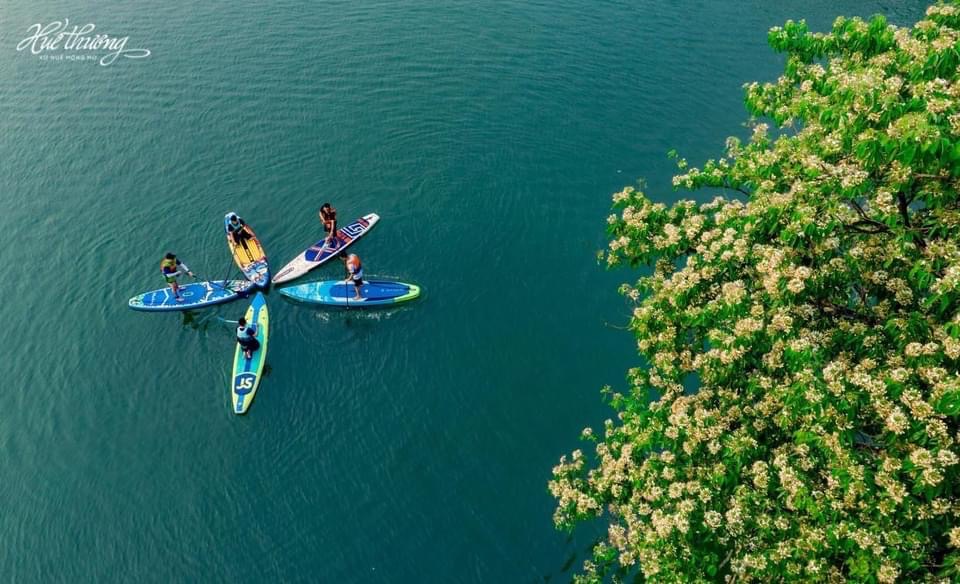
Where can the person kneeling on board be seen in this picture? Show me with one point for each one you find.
(354, 272)
(171, 268)
(247, 337)
(328, 216)
(238, 229)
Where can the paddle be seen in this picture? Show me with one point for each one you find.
(216, 283)
(230, 267)
(224, 286)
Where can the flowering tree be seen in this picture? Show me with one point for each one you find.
(816, 308)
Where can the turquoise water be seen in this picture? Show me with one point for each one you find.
(406, 445)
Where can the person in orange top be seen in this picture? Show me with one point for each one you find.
(328, 216)
(351, 262)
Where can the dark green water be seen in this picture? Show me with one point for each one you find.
(409, 445)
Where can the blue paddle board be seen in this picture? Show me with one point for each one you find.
(336, 293)
(194, 295)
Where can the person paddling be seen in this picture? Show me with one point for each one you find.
(247, 337)
(238, 229)
(351, 262)
(328, 216)
(171, 268)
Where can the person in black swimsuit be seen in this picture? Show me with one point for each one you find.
(328, 216)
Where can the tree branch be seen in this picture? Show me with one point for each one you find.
(876, 227)
(902, 204)
(845, 312)
(856, 207)
(865, 219)
(726, 185)
(725, 560)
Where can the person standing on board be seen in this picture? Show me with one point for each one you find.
(351, 262)
(171, 268)
(247, 337)
(328, 216)
(238, 229)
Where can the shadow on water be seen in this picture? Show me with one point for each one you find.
(200, 320)
(571, 564)
(350, 314)
(571, 559)
(361, 318)
(190, 319)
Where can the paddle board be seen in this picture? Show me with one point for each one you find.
(195, 295)
(336, 293)
(249, 255)
(319, 253)
(247, 372)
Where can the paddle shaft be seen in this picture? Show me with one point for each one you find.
(222, 284)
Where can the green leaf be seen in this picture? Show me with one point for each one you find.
(908, 154)
(949, 403)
